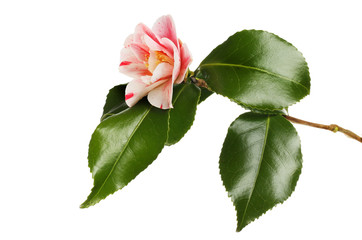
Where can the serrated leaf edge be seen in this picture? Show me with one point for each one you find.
(244, 105)
(261, 160)
(93, 203)
(277, 203)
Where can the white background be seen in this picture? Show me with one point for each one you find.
(59, 58)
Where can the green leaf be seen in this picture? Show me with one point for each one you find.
(185, 99)
(204, 94)
(122, 146)
(115, 102)
(258, 70)
(269, 112)
(260, 164)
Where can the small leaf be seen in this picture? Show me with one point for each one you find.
(122, 146)
(260, 164)
(258, 70)
(182, 115)
(115, 101)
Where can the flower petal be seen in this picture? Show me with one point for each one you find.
(141, 31)
(153, 61)
(164, 27)
(163, 71)
(128, 40)
(128, 55)
(157, 46)
(137, 89)
(131, 66)
(176, 57)
(140, 52)
(135, 70)
(186, 60)
(161, 96)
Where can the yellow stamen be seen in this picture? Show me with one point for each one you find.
(162, 57)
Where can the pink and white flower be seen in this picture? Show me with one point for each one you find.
(157, 60)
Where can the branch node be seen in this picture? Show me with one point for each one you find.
(335, 128)
(199, 82)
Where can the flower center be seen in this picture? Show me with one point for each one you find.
(155, 58)
(162, 57)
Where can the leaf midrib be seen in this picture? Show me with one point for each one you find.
(121, 153)
(259, 167)
(256, 69)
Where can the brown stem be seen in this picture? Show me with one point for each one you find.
(331, 127)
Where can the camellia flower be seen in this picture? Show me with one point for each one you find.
(157, 60)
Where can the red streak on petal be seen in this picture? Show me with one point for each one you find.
(161, 106)
(129, 95)
(146, 72)
(163, 78)
(125, 63)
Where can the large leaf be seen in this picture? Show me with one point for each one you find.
(115, 101)
(258, 70)
(182, 115)
(122, 146)
(260, 164)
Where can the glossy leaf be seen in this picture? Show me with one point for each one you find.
(258, 70)
(205, 93)
(270, 112)
(115, 101)
(122, 146)
(182, 115)
(260, 164)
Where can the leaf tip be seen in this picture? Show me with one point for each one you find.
(82, 206)
(85, 204)
(242, 223)
(90, 201)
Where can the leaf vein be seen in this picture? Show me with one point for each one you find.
(259, 167)
(121, 153)
(256, 69)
